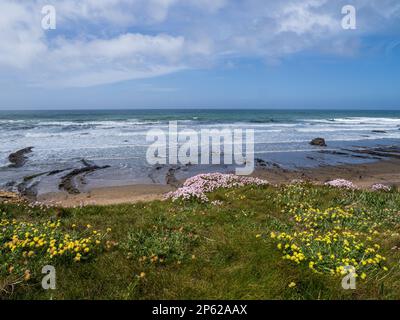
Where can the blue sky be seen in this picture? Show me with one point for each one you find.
(200, 53)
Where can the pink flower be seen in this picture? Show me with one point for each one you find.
(196, 187)
(380, 187)
(341, 183)
(296, 181)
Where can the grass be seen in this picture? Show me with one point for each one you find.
(189, 250)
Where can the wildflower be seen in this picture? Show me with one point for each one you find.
(380, 187)
(27, 275)
(196, 187)
(292, 285)
(341, 183)
(142, 275)
(363, 276)
(326, 241)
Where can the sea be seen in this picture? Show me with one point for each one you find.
(117, 138)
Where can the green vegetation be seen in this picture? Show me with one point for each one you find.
(240, 247)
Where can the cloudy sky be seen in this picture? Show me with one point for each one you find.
(199, 53)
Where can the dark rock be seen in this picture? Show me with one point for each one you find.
(19, 157)
(34, 176)
(54, 172)
(67, 181)
(379, 131)
(385, 152)
(28, 189)
(260, 163)
(334, 152)
(171, 179)
(10, 184)
(318, 142)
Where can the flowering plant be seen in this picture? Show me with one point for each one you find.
(26, 246)
(330, 239)
(196, 187)
(341, 183)
(380, 187)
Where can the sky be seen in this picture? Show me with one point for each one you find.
(199, 54)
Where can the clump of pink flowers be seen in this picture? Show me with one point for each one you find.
(297, 181)
(197, 186)
(341, 183)
(380, 187)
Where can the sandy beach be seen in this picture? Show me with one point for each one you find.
(107, 195)
(363, 175)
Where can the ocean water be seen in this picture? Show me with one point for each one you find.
(117, 138)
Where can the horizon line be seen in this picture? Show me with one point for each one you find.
(205, 108)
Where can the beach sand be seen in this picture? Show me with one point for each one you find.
(107, 195)
(363, 175)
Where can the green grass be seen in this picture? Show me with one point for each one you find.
(201, 251)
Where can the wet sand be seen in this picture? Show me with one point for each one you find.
(363, 175)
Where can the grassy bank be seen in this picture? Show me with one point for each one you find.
(248, 243)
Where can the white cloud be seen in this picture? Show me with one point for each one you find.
(100, 42)
(20, 42)
(129, 56)
(300, 18)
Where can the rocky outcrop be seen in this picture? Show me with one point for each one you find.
(381, 152)
(68, 181)
(260, 163)
(320, 142)
(171, 179)
(19, 157)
